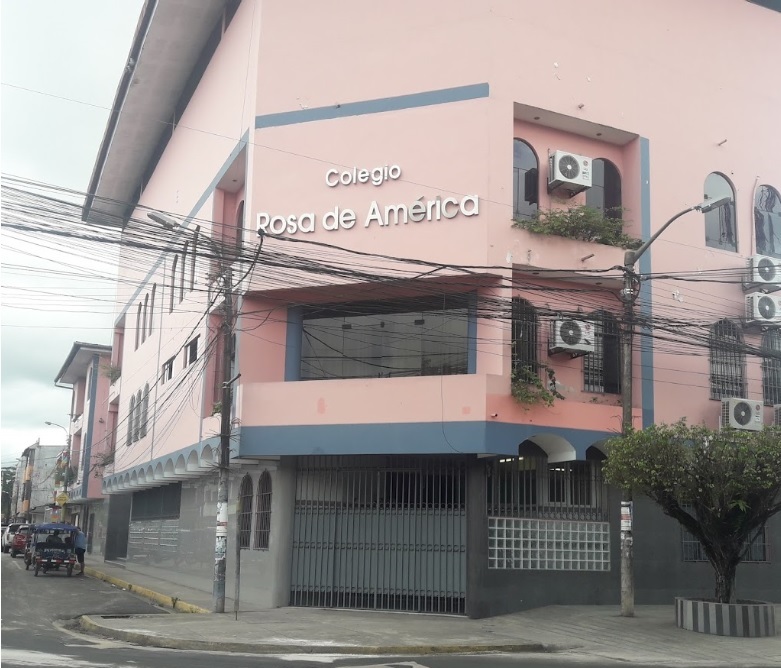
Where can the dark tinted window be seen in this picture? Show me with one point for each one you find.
(720, 222)
(767, 221)
(605, 191)
(526, 170)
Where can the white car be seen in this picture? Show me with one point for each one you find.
(8, 535)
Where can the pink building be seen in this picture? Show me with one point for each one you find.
(421, 389)
(80, 468)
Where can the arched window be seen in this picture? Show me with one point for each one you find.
(183, 272)
(605, 191)
(193, 257)
(771, 367)
(263, 514)
(720, 222)
(602, 368)
(767, 221)
(240, 228)
(144, 411)
(152, 308)
(245, 511)
(524, 335)
(138, 325)
(144, 318)
(137, 418)
(526, 172)
(131, 416)
(173, 283)
(727, 361)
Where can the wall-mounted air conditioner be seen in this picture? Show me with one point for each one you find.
(741, 414)
(763, 309)
(763, 272)
(569, 171)
(571, 336)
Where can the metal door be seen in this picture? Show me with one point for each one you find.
(386, 533)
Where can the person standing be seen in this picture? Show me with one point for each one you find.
(80, 544)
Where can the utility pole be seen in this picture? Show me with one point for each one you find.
(66, 479)
(629, 295)
(226, 409)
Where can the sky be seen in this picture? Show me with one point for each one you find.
(61, 63)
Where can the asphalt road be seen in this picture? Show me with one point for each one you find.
(37, 613)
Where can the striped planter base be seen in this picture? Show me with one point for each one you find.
(746, 620)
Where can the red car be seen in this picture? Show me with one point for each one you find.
(19, 541)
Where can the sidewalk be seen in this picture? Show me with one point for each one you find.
(596, 632)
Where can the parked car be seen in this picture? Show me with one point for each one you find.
(19, 542)
(8, 535)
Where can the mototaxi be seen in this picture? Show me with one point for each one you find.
(51, 546)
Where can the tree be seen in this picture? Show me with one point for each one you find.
(722, 486)
(8, 477)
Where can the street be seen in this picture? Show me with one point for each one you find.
(37, 613)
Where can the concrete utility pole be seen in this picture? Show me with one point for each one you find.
(629, 295)
(68, 462)
(226, 408)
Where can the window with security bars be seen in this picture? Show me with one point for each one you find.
(263, 513)
(602, 368)
(524, 336)
(771, 367)
(245, 512)
(757, 548)
(727, 361)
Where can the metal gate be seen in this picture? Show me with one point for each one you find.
(386, 533)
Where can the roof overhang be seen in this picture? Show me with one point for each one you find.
(169, 39)
(78, 361)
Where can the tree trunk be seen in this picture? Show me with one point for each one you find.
(725, 582)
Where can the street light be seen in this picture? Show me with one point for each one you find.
(221, 534)
(68, 449)
(629, 295)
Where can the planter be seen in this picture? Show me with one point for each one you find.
(750, 619)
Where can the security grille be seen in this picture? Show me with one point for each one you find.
(727, 361)
(245, 512)
(263, 516)
(757, 547)
(602, 368)
(381, 533)
(771, 367)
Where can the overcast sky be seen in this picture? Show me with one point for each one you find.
(71, 54)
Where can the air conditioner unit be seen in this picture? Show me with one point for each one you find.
(569, 171)
(763, 271)
(741, 414)
(763, 309)
(777, 415)
(571, 336)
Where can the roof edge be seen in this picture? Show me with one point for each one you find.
(77, 346)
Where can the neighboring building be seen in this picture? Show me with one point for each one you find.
(37, 488)
(88, 371)
(379, 457)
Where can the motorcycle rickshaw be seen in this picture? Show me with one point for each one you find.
(51, 546)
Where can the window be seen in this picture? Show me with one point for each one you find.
(240, 229)
(720, 223)
(191, 352)
(245, 512)
(767, 221)
(756, 546)
(144, 411)
(131, 416)
(605, 191)
(727, 361)
(602, 368)
(524, 336)
(173, 283)
(168, 371)
(138, 325)
(263, 514)
(421, 337)
(144, 318)
(193, 257)
(526, 170)
(137, 418)
(157, 503)
(152, 308)
(771, 367)
(182, 270)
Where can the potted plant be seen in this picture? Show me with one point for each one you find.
(722, 487)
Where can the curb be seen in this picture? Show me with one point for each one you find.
(155, 597)
(88, 625)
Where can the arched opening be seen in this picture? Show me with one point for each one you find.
(526, 172)
(727, 361)
(767, 221)
(720, 226)
(245, 512)
(263, 515)
(602, 368)
(605, 191)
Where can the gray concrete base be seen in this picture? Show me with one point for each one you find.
(745, 620)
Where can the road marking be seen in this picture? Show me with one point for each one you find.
(26, 657)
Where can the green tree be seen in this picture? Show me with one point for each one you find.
(722, 486)
(8, 475)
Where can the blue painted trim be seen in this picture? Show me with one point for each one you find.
(443, 438)
(646, 306)
(378, 106)
(186, 222)
(293, 343)
(87, 449)
(471, 335)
